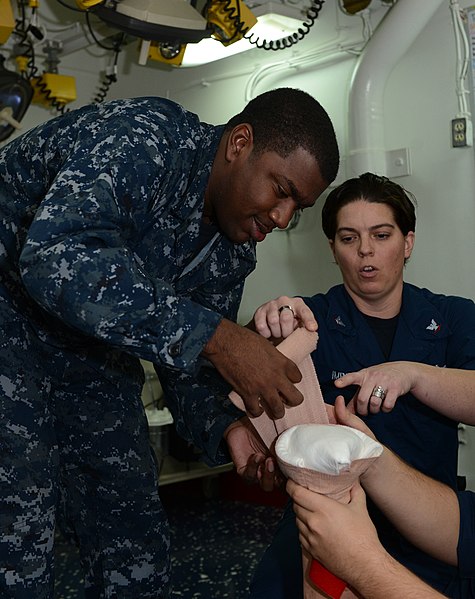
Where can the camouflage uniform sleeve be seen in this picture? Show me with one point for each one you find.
(78, 260)
(201, 410)
(199, 403)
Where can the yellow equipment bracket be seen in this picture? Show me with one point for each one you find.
(230, 20)
(86, 4)
(51, 87)
(7, 22)
(155, 54)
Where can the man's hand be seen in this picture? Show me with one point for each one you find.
(263, 377)
(251, 457)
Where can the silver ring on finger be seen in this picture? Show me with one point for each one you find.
(286, 307)
(380, 392)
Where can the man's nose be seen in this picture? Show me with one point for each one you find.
(282, 213)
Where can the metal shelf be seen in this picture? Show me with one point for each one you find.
(171, 469)
(174, 471)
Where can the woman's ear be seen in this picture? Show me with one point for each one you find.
(331, 243)
(409, 241)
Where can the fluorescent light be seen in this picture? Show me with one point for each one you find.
(274, 21)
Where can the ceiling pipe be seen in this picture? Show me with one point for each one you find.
(393, 37)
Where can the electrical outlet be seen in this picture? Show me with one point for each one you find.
(461, 132)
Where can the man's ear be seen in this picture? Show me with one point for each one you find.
(240, 140)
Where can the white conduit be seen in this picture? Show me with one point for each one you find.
(391, 40)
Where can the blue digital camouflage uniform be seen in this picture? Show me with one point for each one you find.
(103, 260)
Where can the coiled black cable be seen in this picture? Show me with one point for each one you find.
(42, 86)
(110, 78)
(234, 15)
(104, 87)
(24, 45)
(286, 42)
(26, 48)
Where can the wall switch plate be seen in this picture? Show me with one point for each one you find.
(398, 163)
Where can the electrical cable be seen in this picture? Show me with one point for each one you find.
(93, 35)
(286, 42)
(462, 48)
(42, 86)
(24, 45)
(110, 77)
(26, 49)
(241, 29)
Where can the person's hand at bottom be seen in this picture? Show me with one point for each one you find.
(338, 535)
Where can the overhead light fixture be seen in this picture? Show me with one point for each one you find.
(275, 21)
(225, 22)
(156, 20)
(175, 32)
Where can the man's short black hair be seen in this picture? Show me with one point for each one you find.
(286, 119)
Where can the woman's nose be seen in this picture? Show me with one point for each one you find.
(365, 247)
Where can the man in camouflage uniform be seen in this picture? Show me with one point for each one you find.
(127, 230)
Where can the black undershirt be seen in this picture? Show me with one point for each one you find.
(384, 330)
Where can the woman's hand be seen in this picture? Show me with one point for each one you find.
(280, 317)
(379, 386)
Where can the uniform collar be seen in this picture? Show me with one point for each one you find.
(421, 317)
(420, 326)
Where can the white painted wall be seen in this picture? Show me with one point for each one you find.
(419, 102)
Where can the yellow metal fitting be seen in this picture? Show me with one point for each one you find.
(7, 22)
(230, 20)
(86, 4)
(22, 63)
(161, 54)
